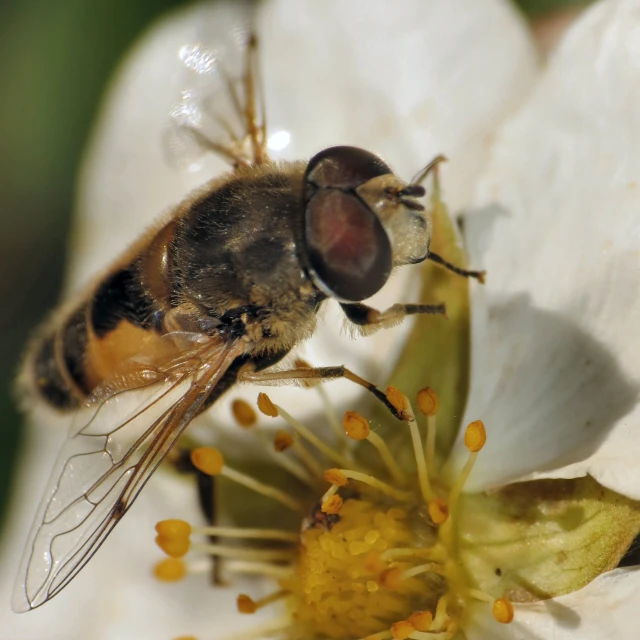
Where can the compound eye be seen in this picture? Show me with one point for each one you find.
(348, 249)
(344, 168)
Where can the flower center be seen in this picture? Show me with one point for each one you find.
(341, 586)
(376, 557)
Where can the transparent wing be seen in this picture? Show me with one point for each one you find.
(103, 465)
(220, 108)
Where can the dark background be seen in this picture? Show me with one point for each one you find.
(55, 59)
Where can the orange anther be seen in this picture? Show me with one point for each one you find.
(421, 620)
(173, 529)
(266, 406)
(391, 578)
(397, 399)
(335, 476)
(428, 401)
(503, 610)
(170, 570)
(355, 425)
(282, 441)
(373, 563)
(475, 436)
(246, 604)
(174, 547)
(208, 460)
(438, 511)
(332, 505)
(402, 630)
(243, 413)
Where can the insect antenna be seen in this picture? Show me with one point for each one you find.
(432, 167)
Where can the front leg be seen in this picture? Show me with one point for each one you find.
(369, 320)
(248, 373)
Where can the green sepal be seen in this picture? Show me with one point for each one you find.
(538, 540)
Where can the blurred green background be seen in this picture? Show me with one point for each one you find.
(55, 59)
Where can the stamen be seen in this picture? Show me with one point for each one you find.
(357, 428)
(391, 579)
(430, 567)
(503, 610)
(475, 437)
(173, 528)
(433, 553)
(173, 537)
(266, 406)
(175, 547)
(221, 551)
(438, 511)
(441, 613)
(170, 570)
(355, 572)
(265, 630)
(383, 635)
(335, 476)
(258, 568)
(330, 412)
(238, 532)
(444, 635)
(210, 461)
(332, 505)
(399, 402)
(402, 630)
(331, 491)
(428, 404)
(404, 406)
(421, 620)
(288, 464)
(243, 413)
(246, 604)
(311, 437)
(284, 440)
(428, 401)
(383, 487)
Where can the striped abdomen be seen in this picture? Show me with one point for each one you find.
(121, 317)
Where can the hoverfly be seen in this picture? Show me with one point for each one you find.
(215, 295)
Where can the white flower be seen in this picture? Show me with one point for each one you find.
(554, 216)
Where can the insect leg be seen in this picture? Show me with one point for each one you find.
(478, 275)
(369, 320)
(254, 102)
(318, 374)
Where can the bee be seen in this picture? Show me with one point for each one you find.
(214, 295)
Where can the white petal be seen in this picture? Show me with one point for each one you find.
(410, 83)
(606, 609)
(556, 360)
